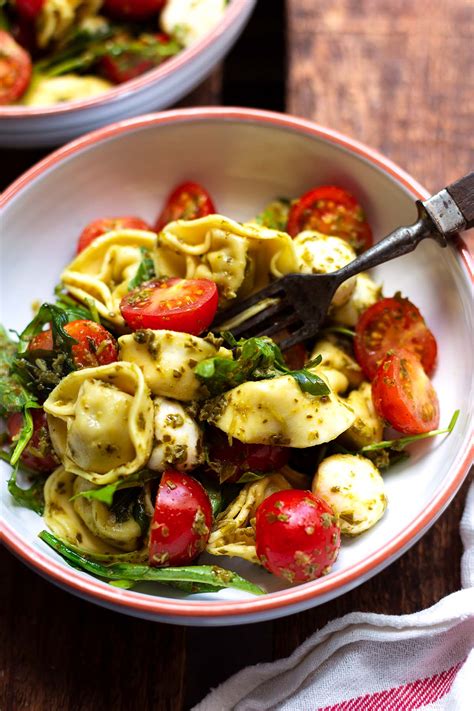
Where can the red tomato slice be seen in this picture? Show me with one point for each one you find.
(186, 305)
(15, 69)
(230, 461)
(132, 9)
(297, 535)
(30, 9)
(181, 522)
(107, 224)
(403, 394)
(39, 454)
(391, 324)
(187, 202)
(332, 211)
(95, 345)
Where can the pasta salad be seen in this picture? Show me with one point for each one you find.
(152, 445)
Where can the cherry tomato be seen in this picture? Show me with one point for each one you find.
(187, 202)
(403, 394)
(332, 211)
(95, 345)
(29, 9)
(297, 535)
(388, 325)
(107, 224)
(124, 67)
(233, 460)
(39, 454)
(182, 520)
(15, 69)
(186, 305)
(132, 9)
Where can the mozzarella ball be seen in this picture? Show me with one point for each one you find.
(321, 254)
(366, 293)
(178, 438)
(189, 20)
(353, 486)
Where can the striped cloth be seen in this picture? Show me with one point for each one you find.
(368, 662)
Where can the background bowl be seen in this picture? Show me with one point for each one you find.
(244, 158)
(25, 126)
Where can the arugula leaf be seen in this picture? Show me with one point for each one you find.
(338, 329)
(106, 493)
(14, 397)
(397, 445)
(31, 498)
(257, 358)
(72, 308)
(145, 271)
(248, 477)
(209, 575)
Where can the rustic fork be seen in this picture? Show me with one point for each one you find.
(298, 303)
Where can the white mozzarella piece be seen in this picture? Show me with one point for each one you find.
(189, 20)
(178, 438)
(353, 487)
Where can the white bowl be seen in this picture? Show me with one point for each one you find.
(244, 158)
(26, 126)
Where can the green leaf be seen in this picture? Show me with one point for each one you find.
(256, 358)
(209, 575)
(214, 492)
(145, 271)
(275, 215)
(338, 329)
(106, 493)
(399, 444)
(31, 498)
(248, 477)
(14, 397)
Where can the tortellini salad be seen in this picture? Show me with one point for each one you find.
(147, 439)
(67, 50)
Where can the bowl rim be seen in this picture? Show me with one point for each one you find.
(115, 93)
(140, 603)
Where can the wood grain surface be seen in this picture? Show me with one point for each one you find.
(399, 76)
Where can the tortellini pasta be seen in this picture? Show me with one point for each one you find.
(239, 258)
(367, 428)
(353, 487)
(333, 356)
(322, 254)
(88, 525)
(233, 533)
(101, 422)
(47, 91)
(178, 438)
(102, 272)
(278, 412)
(58, 16)
(168, 359)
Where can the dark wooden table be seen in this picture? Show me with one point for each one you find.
(399, 76)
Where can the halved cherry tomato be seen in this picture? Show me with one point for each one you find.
(132, 9)
(15, 69)
(181, 522)
(95, 345)
(297, 535)
(332, 211)
(230, 461)
(186, 305)
(30, 9)
(107, 224)
(39, 454)
(187, 202)
(391, 324)
(403, 394)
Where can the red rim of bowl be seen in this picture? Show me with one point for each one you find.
(176, 63)
(154, 605)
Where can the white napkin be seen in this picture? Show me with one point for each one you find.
(369, 662)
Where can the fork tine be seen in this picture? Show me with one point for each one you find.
(290, 320)
(272, 289)
(302, 334)
(254, 321)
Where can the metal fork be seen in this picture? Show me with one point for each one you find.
(298, 303)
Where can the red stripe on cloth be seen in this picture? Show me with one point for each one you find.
(407, 697)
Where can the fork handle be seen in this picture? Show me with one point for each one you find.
(401, 241)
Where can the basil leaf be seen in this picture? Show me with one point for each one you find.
(106, 493)
(310, 383)
(145, 271)
(14, 397)
(275, 215)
